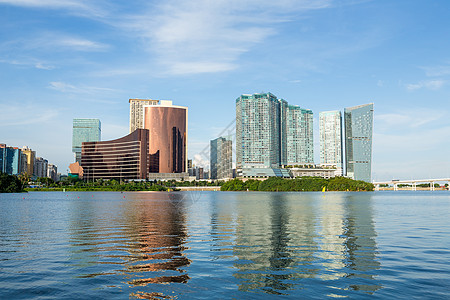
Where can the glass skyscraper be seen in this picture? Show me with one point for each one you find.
(330, 134)
(271, 133)
(84, 130)
(358, 122)
(10, 158)
(221, 154)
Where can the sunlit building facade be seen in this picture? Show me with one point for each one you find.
(270, 133)
(358, 122)
(84, 130)
(30, 158)
(299, 136)
(167, 126)
(330, 135)
(221, 154)
(258, 142)
(137, 112)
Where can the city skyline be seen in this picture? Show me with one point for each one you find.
(76, 59)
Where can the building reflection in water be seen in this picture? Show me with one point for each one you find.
(143, 244)
(158, 233)
(274, 244)
(360, 242)
(283, 241)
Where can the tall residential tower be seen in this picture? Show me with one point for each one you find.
(221, 154)
(330, 135)
(270, 133)
(358, 122)
(299, 136)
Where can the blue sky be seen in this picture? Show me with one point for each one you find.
(65, 59)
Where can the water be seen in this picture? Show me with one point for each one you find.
(194, 245)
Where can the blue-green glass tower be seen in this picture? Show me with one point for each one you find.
(9, 160)
(84, 130)
(358, 124)
(270, 133)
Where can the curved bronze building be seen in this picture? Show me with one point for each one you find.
(167, 125)
(124, 158)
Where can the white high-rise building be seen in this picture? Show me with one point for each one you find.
(137, 112)
(299, 136)
(330, 135)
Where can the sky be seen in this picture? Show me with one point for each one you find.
(65, 59)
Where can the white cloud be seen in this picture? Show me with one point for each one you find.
(437, 71)
(25, 114)
(28, 63)
(407, 119)
(209, 36)
(82, 89)
(80, 44)
(62, 87)
(53, 42)
(85, 8)
(428, 84)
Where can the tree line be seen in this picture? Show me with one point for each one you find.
(10, 184)
(303, 184)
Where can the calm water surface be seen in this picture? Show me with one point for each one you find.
(194, 245)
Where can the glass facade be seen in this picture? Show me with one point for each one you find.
(271, 133)
(167, 125)
(10, 160)
(124, 158)
(221, 154)
(358, 122)
(84, 130)
(330, 133)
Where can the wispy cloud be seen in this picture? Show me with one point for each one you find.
(25, 114)
(427, 84)
(53, 42)
(28, 63)
(408, 119)
(82, 89)
(437, 71)
(209, 36)
(79, 7)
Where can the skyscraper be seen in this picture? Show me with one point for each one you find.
(40, 167)
(30, 159)
(167, 125)
(358, 122)
(137, 112)
(258, 142)
(299, 136)
(10, 159)
(330, 134)
(84, 130)
(271, 133)
(221, 153)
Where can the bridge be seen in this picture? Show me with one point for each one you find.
(412, 182)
